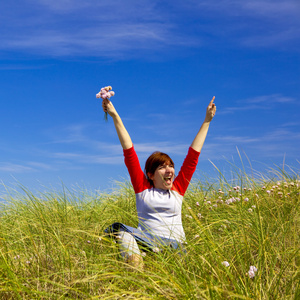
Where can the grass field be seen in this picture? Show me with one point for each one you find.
(243, 243)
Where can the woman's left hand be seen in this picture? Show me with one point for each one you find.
(211, 110)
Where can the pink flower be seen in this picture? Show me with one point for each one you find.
(105, 93)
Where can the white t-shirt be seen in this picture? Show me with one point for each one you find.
(159, 211)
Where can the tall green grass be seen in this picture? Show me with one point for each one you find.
(52, 244)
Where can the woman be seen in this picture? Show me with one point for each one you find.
(159, 194)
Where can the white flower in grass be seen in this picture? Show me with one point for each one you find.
(225, 263)
(228, 201)
(208, 202)
(251, 274)
(215, 205)
(200, 216)
(143, 254)
(252, 271)
(196, 236)
(253, 268)
(253, 206)
(197, 203)
(250, 210)
(17, 256)
(156, 250)
(246, 199)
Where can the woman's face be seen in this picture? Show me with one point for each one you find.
(163, 176)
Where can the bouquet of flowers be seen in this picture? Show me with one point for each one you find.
(105, 93)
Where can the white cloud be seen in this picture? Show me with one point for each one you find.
(257, 8)
(40, 166)
(264, 102)
(14, 168)
(89, 158)
(270, 99)
(270, 144)
(237, 140)
(116, 28)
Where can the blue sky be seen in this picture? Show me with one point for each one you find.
(165, 60)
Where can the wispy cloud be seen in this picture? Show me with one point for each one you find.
(269, 144)
(264, 102)
(86, 28)
(265, 8)
(89, 158)
(116, 28)
(270, 99)
(252, 23)
(14, 168)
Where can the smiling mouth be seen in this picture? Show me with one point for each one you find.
(168, 180)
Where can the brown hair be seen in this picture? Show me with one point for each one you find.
(155, 160)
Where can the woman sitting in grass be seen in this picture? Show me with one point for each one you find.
(159, 194)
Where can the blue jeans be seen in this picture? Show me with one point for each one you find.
(144, 239)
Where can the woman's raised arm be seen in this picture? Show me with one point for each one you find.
(198, 142)
(123, 135)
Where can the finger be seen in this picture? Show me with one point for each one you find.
(105, 101)
(212, 100)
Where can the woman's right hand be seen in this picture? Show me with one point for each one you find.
(108, 107)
